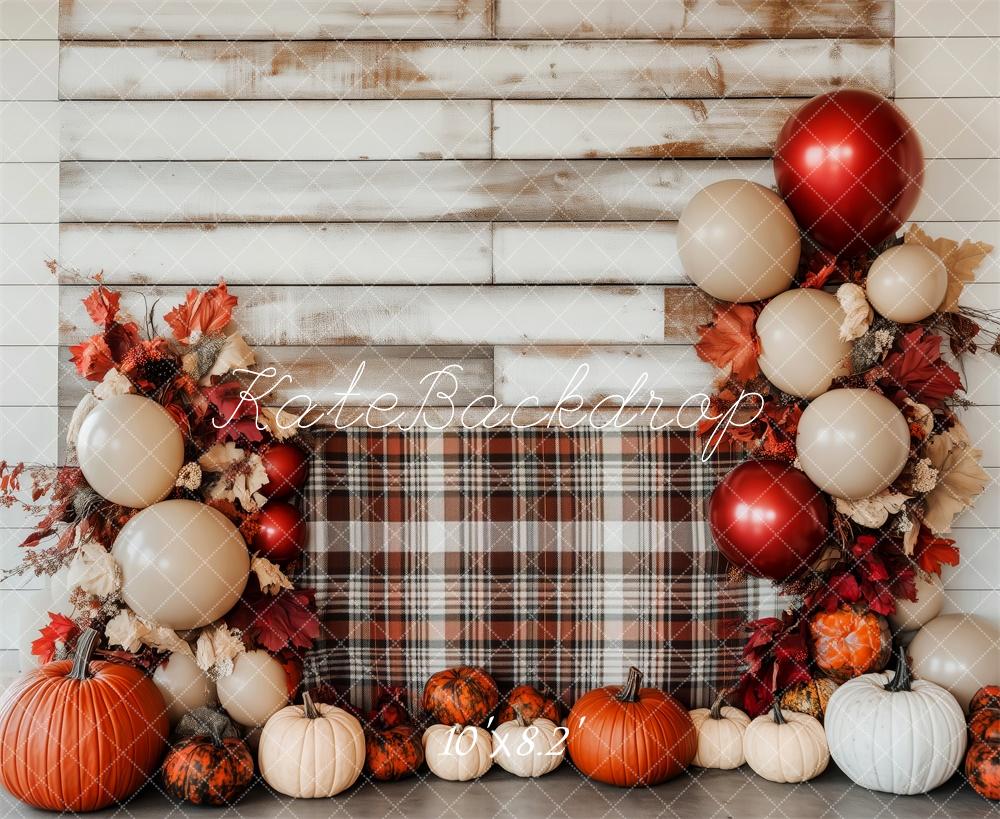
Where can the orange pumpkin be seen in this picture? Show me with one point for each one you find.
(205, 770)
(627, 735)
(809, 698)
(79, 735)
(847, 643)
(986, 697)
(393, 753)
(984, 725)
(982, 769)
(531, 703)
(464, 695)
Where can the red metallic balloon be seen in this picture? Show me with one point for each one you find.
(850, 167)
(287, 467)
(768, 518)
(282, 532)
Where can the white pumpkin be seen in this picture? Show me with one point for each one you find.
(720, 732)
(902, 736)
(529, 748)
(311, 751)
(786, 746)
(458, 753)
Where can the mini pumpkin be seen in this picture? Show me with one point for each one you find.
(982, 769)
(209, 768)
(458, 753)
(986, 697)
(809, 698)
(465, 695)
(720, 736)
(786, 746)
(393, 753)
(848, 642)
(532, 704)
(529, 748)
(984, 725)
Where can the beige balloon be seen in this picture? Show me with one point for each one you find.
(907, 283)
(960, 652)
(130, 450)
(738, 241)
(852, 443)
(183, 685)
(801, 351)
(184, 564)
(257, 688)
(912, 614)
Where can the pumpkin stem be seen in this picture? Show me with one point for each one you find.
(85, 646)
(630, 691)
(308, 707)
(779, 718)
(901, 679)
(523, 721)
(715, 712)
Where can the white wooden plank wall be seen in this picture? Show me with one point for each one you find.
(418, 183)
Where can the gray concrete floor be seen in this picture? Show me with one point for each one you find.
(564, 794)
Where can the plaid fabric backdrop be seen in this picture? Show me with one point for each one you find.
(551, 557)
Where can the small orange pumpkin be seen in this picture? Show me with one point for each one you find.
(847, 643)
(986, 697)
(206, 770)
(393, 753)
(810, 698)
(982, 769)
(531, 704)
(464, 695)
(984, 725)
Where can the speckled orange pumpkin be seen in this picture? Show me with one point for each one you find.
(464, 695)
(982, 769)
(207, 771)
(847, 643)
(984, 725)
(810, 698)
(532, 704)
(986, 697)
(393, 753)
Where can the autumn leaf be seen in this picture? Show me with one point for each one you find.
(102, 306)
(931, 552)
(59, 630)
(960, 478)
(916, 367)
(201, 314)
(961, 261)
(729, 340)
(275, 622)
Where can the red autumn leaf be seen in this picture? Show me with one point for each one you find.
(729, 339)
(932, 552)
(59, 630)
(234, 416)
(92, 358)
(915, 366)
(102, 306)
(202, 313)
(817, 278)
(275, 622)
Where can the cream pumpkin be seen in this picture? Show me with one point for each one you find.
(785, 746)
(458, 753)
(720, 736)
(529, 747)
(311, 751)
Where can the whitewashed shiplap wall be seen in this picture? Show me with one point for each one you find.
(420, 182)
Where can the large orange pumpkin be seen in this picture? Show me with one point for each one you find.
(847, 643)
(529, 703)
(464, 695)
(393, 753)
(627, 735)
(77, 736)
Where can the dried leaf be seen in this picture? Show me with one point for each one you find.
(960, 478)
(201, 314)
(102, 306)
(961, 261)
(729, 340)
(916, 367)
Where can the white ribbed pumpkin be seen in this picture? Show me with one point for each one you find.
(458, 753)
(786, 746)
(529, 748)
(720, 736)
(902, 736)
(311, 751)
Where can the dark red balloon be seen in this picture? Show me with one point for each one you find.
(282, 532)
(287, 467)
(850, 167)
(768, 518)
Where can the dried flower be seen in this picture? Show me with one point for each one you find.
(125, 630)
(216, 649)
(94, 570)
(858, 314)
(269, 576)
(281, 423)
(83, 409)
(113, 383)
(874, 511)
(234, 355)
(924, 477)
(220, 457)
(189, 477)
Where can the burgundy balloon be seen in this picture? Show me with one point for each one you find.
(768, 518)
(850, 167)
(287, 468)
(282, 532)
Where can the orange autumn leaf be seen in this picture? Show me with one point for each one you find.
(729, 340)
(201, 314)
(92, 358)
(102, 306)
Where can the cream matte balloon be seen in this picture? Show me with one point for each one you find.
(184, 564)
(852, 443)
(738, 241)
(907, 283)
(130, 450)
(183, 685)
(257, 688)
(912, 614)
(801, 351)
(959, 652)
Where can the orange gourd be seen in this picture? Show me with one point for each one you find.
(847, 643)
(208, 770)
(531, 704)
(627, 735)
(79, 735)
(984, 725)
(982, 769)
(464, 695)
(986, 697)
(393, 753)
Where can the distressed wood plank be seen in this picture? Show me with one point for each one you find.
(471, 69)
(337, 253)
(325, 375)
(269, 20)
(275, 129)
(467, 190)
(535, 129)
(434, 315)
(694, 18)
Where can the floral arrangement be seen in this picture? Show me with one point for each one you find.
(189, 372)
(878, 546)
